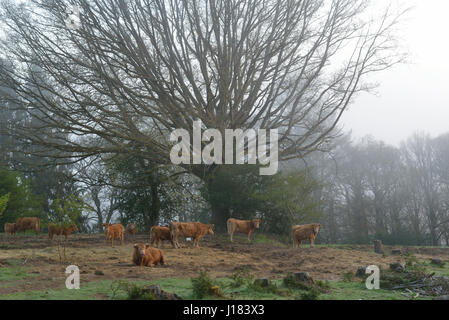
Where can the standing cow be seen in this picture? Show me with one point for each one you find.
(31, 223)
(158, 233)
(114, 231)
(54, 229)
(194, 230)
(305, 232)
(10, 228)
(243, 226)
(131, 230)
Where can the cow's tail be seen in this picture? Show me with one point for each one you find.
(229, 226)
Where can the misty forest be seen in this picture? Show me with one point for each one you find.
(86, 113)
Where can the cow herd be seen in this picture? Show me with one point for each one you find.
(146, 254)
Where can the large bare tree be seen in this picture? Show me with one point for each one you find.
(137, 69)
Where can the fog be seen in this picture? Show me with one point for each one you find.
(413, 96)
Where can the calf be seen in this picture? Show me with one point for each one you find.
(54, 229)
(114, 231)
(157, 234)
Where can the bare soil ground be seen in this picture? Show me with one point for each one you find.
(217, 256)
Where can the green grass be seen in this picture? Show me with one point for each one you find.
(14, 272)
(183, 288)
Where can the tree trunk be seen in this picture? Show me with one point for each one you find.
(378, 247)
(219, 217)
(155, 207)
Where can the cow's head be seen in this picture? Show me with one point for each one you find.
(316, 227)
(256, 223)
(139, 248)
(210, 229)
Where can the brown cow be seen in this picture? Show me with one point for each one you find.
(54, 229)
(194, 230)
(10, 228)
(131, 230)
(305, 232)
(114, 231)
(30, 223)
(144, 255)
(158, 233)
(243, 226)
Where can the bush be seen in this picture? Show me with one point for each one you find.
(204, 286)
(241, 277)
(311, 294)
(271, 287)
(133, 291)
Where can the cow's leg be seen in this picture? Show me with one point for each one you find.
(232, 233)
(249, 236)
(312, 242)
(197, 242)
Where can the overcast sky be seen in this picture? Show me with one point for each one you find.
(415, 96)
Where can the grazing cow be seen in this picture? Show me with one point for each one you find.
(28, 224)
(243, 226)
(144, 255)
(194, 230)
(114, 231)
(131, 230)
(10, 228)
(158, 233)
(305, 232)
(54, 229)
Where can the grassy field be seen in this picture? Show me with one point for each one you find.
(30, 269)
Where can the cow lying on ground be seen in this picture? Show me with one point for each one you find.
(131, 230)
(144, 255)
(194, 230)
(158, 233)
(114, 231)
(24, 224)
(10, 228)
(54, 229)
(305, 232)
(243, 226)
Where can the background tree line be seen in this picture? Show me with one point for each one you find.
(86, 114)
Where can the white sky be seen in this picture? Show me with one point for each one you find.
(414, 96)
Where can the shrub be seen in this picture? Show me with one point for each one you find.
(241, 277)
(132, 290)
(204, 286)
(311, 294)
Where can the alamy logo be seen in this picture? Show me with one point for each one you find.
(185, 153)
(73, 280)
(372, 282)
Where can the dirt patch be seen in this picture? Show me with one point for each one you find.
(219, 258)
